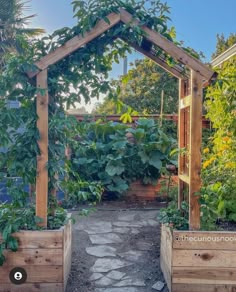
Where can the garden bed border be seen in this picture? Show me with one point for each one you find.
(198, 261)
(46, 257)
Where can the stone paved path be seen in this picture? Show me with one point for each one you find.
(116, 251)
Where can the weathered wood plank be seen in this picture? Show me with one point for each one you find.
(147, 188)
(42, 160)
(196, 269)
(195, 150)
(166, 272)
(176, 52)
(45, 260)
(204, 258)
(203, 288)
(67, 252)
(181, 142)
(166, 255)
(145, 192)
(40, 239)
(203, 275)
(204, 240)
(76, 43)
(26, 257)
(35, 274)
(36, 287)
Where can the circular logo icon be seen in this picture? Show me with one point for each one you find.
(18, 276)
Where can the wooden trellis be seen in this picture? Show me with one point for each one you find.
(190, 108)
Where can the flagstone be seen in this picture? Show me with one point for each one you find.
(106, 265)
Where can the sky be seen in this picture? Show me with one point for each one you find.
(197, 22)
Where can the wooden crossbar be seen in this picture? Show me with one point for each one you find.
(76, 43)
(179, 54)
(157, 60)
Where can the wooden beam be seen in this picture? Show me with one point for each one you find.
(226, 55)
(185, 102)
(179, 54)
(42, 159)
(181, 143)
(76, 43)
(195, 149)
(162, 64)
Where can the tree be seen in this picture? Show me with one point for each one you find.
(224, 43)
(142, 88)
(13, 26)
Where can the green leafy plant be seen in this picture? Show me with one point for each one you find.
(83, 74)
(12, 220)
(79, 191)
(142, 88)
(219, 166)
(116, 154)
(174, 217)
(59, 219)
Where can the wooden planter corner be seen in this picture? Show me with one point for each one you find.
(46, 258)
(198, 261)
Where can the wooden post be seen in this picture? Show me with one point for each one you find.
(42, 160)
(162, 108)
(181, 141)
(195, 149)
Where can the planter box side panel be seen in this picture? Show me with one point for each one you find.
(202, 288)
(204, 240)
(40, 239)
(166, 255)
(203, 260)
(67, 253)
(140, 192)
(48, 287)
(44, 256)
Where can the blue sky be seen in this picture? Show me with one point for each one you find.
(196, 21)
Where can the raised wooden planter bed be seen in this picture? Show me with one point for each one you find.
(141, 192)
(46, 258)
(198, 261)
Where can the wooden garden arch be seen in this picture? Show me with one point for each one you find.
(190, 109)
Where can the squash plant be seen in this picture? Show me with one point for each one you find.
(116, 155)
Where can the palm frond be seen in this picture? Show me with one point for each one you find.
(14, 22)
(30, 32)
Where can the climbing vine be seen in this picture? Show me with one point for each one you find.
(83, 74)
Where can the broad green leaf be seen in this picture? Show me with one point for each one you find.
(114, 168)
(155, 160)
